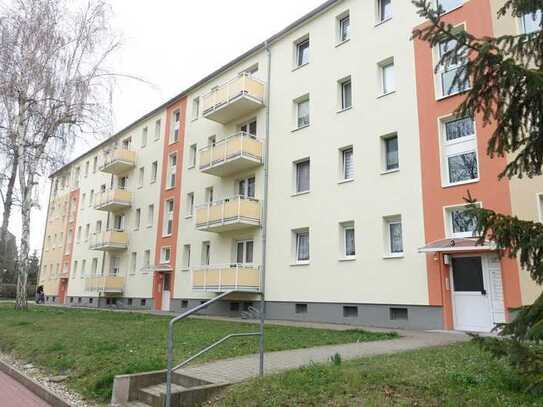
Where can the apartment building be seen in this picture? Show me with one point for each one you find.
(322, 169)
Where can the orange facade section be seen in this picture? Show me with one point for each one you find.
(476, 16)
(172, 145)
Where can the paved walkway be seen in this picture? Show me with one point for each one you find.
(14, 394)
(243, 368)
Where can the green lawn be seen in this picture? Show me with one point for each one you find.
(457, 375)
(92, 347)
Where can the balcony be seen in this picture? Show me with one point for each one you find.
(237, 277)
(112, 240)
(50, 287)
(105, 284)
(118, 161)
(229, 214)
(239, 97)
(231, 155)
(114, 200)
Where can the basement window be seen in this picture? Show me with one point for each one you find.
(91, 300)
(184, 304)
(399, 314)
(301, 308)
(80, 299)
(143, 302)
(130, 301)
(350, 312)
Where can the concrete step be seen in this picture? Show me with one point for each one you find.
(155, 395)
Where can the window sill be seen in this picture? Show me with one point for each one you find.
(347, 259)
(340, 43)
(390, 171)
(300, 128)
(451, 10)
(443, 97)
(170, 188)
(140, 187)
(299, 67)
(457, 184)
(166, 236)
(185, 270)
(188, 216)
(393, 256)
(382, 95)
(300, 193)
(149, 226)
(191, 167)
(345, 181)
(380, 23)
(344, 110)
(300, 264)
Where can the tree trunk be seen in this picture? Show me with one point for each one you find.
(8, 204)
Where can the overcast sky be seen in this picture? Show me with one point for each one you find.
(172, 44)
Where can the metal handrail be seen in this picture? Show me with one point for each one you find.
(225, 200)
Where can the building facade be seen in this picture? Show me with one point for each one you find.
(321, 169)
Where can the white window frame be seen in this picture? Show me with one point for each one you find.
(298, 234)
(146, 261)
(449, 228)
(206, 253)
(346, 227)
(297, 190)
(344, 177)
(150, 215)
(298, 62)
(141, 177)
(165, 259)
(154, 172)
(245, 243)
(186, 257)
(388, 222)
(523, 23)
(456, 147)
(383, 66)
(442, 70)
(144, 135)
(195, 108)
(158, 129)
(172, 171)
(379, 12)
(304, 121)
(175, 130)
(190, 205)
(137, 219)
(133, 263)
(168, 217)
(343, 20)
(445, 11)
(343, 95)
(193, 152)
(384, 140)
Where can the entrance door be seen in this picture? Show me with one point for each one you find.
(166, 292)
(470, 296)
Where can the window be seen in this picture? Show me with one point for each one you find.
(94, 266)
(302, 113)
(172, 169)
(150, 215)
(146, 260)
(192, 155)
(184, 304)
(118, 222)
(346, 94)
(302, 177)
(384, 10)
(344, 27)
(459, 223)
(388, 77)
(87, 232)
(451, 72)
(399, 314)
(209, 195)
(195, 108)
(78, 234)
(158, 126)
(350, 311)
(141, 177)
(244, 252)
(133, 262)
(168, 218)
(448, 5)
(246, 187)
(174, 133)
(74, 270)
(165, 255)
(154, 171)
(302, 245)
(190, 204)
(249, 127)
(91, 197)
(390, 150)
(94, 165)
(137, 219)
(540, 207)
(144, 133)
(115, 266)
(302, 52)
(394, 238)
(122, 182)
(206, 253)
(347, 165)
(87, 166)
(348, 240)
(300, 308)
(459, 163)
(83, 201)
(98, 226)
(186, 256)
(531, 22)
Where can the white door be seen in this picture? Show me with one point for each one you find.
(166, 292)
(470, 297)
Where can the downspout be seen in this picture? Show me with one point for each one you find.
(44, 236)
(265, 213)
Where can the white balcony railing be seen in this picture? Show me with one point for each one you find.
(220, 278)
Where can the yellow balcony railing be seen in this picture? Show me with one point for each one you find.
(105, 284)
(229, 214)
(118, 161)
(113, 200)
(50, 287)
(236, 98)
(111, 240)
(231, 155)
(220, 278)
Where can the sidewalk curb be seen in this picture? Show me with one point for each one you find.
(42, 392)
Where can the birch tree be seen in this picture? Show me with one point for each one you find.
(55, 87)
